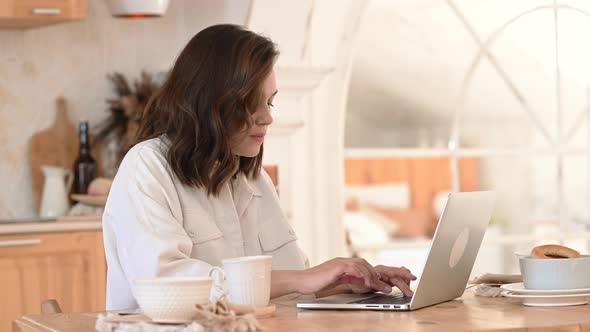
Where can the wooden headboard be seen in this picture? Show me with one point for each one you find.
(425, 177)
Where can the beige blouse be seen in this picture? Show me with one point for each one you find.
(155, 226)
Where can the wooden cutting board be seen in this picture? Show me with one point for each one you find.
(55, 146)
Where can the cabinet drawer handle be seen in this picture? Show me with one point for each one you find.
(46, 11)
(18, 243)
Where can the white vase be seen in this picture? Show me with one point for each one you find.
(54, 201)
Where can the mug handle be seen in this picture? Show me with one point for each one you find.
(218, 290)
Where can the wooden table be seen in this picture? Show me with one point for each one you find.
(470, 313)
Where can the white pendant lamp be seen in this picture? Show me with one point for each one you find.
(138, 8)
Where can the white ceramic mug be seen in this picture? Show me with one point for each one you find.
(247, 279)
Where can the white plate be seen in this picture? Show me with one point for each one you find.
(549, 300)
(518, 288)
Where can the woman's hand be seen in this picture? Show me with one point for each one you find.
(356, 272)
(399, 277)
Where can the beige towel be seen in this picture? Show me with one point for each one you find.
(136, 323)
(220, 316)
(488, 283)
(496, 279)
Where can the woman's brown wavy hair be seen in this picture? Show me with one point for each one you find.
(208, 99)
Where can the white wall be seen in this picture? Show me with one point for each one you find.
(72, 60)
(314, 37)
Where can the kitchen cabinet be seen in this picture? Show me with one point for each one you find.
(69, 267)
(22, 14)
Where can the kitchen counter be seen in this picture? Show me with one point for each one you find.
(72, 225)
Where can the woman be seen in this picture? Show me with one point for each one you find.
(193, 192)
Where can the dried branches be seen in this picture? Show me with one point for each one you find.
(125, 110)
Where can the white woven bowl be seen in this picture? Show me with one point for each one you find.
(172, 299)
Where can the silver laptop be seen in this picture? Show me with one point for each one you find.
(453, 250)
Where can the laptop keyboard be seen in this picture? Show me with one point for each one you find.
(385, 299)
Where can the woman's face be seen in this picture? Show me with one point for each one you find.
(248, 143)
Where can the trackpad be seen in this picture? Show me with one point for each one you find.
(343, 298)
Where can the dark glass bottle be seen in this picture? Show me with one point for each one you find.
(85, 165)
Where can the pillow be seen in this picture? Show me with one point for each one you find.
(411, 223)
(392, 195)
(367, 229)
(438, 203)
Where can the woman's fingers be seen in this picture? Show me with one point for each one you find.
(359, 272)
(388, 272)
(372, 277)
(382, 286)
(408, 273)
(362, 273)
(353, 268)
(350, 280)
(399, 277)
(402, 285)
(368, 271)
(376, 283)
